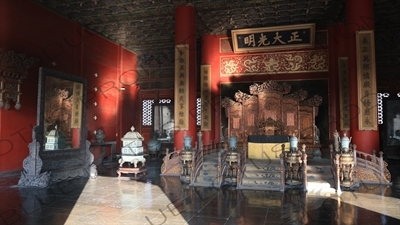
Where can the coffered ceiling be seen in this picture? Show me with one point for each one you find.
(148, 25)
(138, 24)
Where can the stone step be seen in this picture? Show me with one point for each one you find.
(265, 181)
(210, 166)
(208, 173)
(265, 168)
(257, 184)
(206, 184)
(259, 187)
(262, 174)
(319, 169)
(277, 175)
(319, 178)
(262, 163)
(206, 179)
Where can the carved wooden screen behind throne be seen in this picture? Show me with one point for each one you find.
(308, 111)
(271, 109)
(233, 110)
(290, 112)
(250, 110)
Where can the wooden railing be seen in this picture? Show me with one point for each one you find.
(371, 162)
(241, 167)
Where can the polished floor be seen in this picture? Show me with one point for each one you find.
(154, 200)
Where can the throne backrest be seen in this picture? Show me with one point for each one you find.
(270, 126)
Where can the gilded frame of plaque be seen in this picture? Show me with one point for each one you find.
(263, 38)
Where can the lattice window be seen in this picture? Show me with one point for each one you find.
(147, 112)
(380, 97)
(164, 101)
(198, 111)
(147, 107)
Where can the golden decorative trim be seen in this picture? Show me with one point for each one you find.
(182, 87)
(366, 81)
(275, 63)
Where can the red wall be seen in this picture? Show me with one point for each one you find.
(28, 28)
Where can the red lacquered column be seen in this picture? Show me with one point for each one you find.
(185, 33)
(208, 57)
(360, 16)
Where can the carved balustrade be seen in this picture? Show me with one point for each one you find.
(370, 162)
(351, 166)
(171, 164)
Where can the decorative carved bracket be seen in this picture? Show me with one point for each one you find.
(270, 86)
(13, 69)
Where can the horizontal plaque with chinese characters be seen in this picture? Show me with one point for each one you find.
(272, 38)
